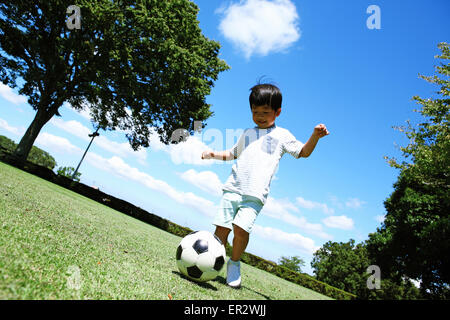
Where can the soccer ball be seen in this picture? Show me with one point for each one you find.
(200, 256)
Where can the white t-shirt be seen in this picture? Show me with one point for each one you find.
(258, 152)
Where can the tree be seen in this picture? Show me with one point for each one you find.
(294, 263)
(42, 158)
(344, 265)
(413, 240)
(137, 64)
(68, 173)
(36, 155)
(7, 144)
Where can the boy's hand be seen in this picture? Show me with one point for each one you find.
(320, 131)
(208, 155)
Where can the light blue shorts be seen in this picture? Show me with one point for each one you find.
(239, 210)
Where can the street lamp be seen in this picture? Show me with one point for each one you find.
(93, 135)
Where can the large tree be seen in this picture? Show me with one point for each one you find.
(137, 64)
(414, 240)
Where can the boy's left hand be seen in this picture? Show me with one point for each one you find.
(320, 131)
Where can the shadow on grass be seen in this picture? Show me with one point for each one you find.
(219, 279)
(262, 295)
(205, 285)
(223, 281)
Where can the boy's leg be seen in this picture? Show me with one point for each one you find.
(222, 233)
(225, 215)
(240, 242)
(243, 223)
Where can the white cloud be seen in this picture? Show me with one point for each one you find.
(118, 167)
(73, 127)
(187, 152)
(354, 203)
(296, 240)
(56, 144)
(206, 180)
(307, 204)
(46, 140)
(335, 201)
(84, 113)
(190, 151)
(279, 209)
(121, 149)
(8, 94)
(79, 130)
(16, 131)
(155, 142)
(339, 222)
(260, 26)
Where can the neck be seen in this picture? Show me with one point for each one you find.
(270, 127)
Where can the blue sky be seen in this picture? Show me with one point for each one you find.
(331, 68)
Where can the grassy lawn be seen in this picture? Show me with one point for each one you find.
(57, 244)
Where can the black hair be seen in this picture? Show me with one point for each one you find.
(265, 94)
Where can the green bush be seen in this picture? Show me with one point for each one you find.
(36, 155)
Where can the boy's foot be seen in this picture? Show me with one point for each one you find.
(234, 274)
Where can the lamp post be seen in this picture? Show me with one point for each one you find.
(93, 135)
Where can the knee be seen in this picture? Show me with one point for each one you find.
(222, 234)
(221, 231)
(239, 232)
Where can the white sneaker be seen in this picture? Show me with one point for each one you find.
(234, 274)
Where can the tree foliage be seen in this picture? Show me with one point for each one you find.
(344, 265)
(136, 64)
(68, 172)
(294, 263)
(7, 144)
(414, 241)
(36, 155)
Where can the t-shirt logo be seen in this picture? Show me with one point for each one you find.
(269, 144)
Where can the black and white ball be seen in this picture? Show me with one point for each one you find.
(200, 256)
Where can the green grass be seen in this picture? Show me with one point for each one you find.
(57, 244)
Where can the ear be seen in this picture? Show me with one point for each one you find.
(277, 113)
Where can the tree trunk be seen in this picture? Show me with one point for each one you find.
(27, 141)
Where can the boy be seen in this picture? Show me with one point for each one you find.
(258, 152)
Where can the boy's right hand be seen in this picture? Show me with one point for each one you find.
(208, 154)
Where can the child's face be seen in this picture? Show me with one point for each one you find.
(264, 116)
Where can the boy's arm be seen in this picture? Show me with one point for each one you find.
(218, 155)
(320, 131)
(226, 155)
